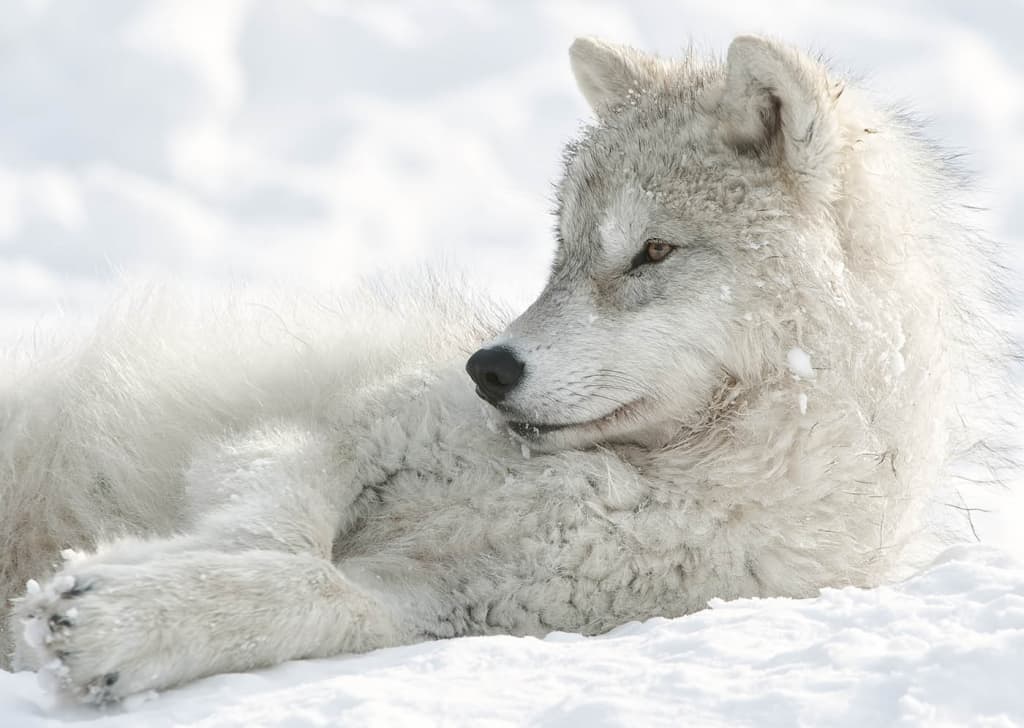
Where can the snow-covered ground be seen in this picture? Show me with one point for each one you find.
(310, 142)
(945, 648)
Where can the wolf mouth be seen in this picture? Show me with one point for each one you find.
(536, 429)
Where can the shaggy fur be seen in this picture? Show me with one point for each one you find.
(762, 412)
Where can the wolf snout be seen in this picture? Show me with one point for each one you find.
(496, 372)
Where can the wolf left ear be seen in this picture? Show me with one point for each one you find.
(775, 99)
(607, 74)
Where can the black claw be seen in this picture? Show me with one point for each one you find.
(77, 590)
(59, 620)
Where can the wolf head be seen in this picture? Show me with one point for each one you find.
(696, 199)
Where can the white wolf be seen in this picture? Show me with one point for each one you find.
(739, 380)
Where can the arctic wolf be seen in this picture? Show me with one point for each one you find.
(738, 381)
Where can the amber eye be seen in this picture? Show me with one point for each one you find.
(656, 250)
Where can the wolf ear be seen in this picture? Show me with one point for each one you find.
(776, 98)
(608, 74)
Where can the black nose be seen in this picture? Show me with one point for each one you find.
(495, 371)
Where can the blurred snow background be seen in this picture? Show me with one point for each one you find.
(310, 141)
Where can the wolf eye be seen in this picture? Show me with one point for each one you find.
(656, 250)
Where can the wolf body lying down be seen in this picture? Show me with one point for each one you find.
(738, 381)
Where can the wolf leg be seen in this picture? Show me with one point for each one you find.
(279, 487)
(249, 583)
(105, 631)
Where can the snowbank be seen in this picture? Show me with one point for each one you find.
(945, 647)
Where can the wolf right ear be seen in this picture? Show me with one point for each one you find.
(607, 74)
(777, 100)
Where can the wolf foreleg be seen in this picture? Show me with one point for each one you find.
(248, 582)
(104, 631)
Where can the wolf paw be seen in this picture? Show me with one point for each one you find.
(90, 638)
(102, 631)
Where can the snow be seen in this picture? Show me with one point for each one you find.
(799, 363)
(897, 363)
(944, 648)
(310, 143)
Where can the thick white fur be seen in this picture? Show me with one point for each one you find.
(249, 485)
